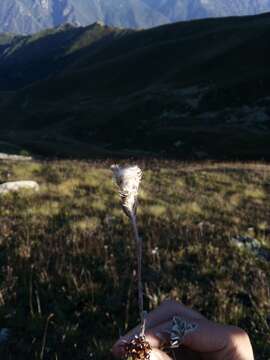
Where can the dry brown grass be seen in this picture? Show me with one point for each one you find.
(67, 251)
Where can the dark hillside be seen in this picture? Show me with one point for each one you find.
(192, 89)
(27, 59)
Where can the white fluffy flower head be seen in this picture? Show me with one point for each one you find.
(128, 180)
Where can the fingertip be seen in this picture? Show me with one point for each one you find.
(118, 348)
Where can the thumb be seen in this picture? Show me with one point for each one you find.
(156, 354)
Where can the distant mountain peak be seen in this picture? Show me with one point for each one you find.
(29, 16)
(66, 26)
(99, 23)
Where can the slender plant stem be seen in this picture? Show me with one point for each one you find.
(139, 264)
(45, 336)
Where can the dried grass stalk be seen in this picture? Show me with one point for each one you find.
(128, 180)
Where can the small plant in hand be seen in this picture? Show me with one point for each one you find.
(138, 349)
(128, 180)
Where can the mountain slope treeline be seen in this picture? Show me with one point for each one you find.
(196, 89)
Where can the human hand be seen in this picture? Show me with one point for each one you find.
(208, 340)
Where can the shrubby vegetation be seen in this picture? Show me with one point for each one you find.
(67, 257)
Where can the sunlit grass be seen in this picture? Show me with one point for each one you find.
(67, 250)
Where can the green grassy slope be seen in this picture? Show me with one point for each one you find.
(5, 38)
(32, 58)
(166, 90)
(67, 250)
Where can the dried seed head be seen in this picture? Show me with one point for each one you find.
(138, 349)
(128, 180)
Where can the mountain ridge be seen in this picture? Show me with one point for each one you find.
(188, 89)
(30, 16)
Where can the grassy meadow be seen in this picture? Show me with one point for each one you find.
(67, 257)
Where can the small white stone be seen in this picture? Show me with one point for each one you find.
(4, 156)
(12, 186)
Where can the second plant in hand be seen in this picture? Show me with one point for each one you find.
(172, 331)
(128, 180)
